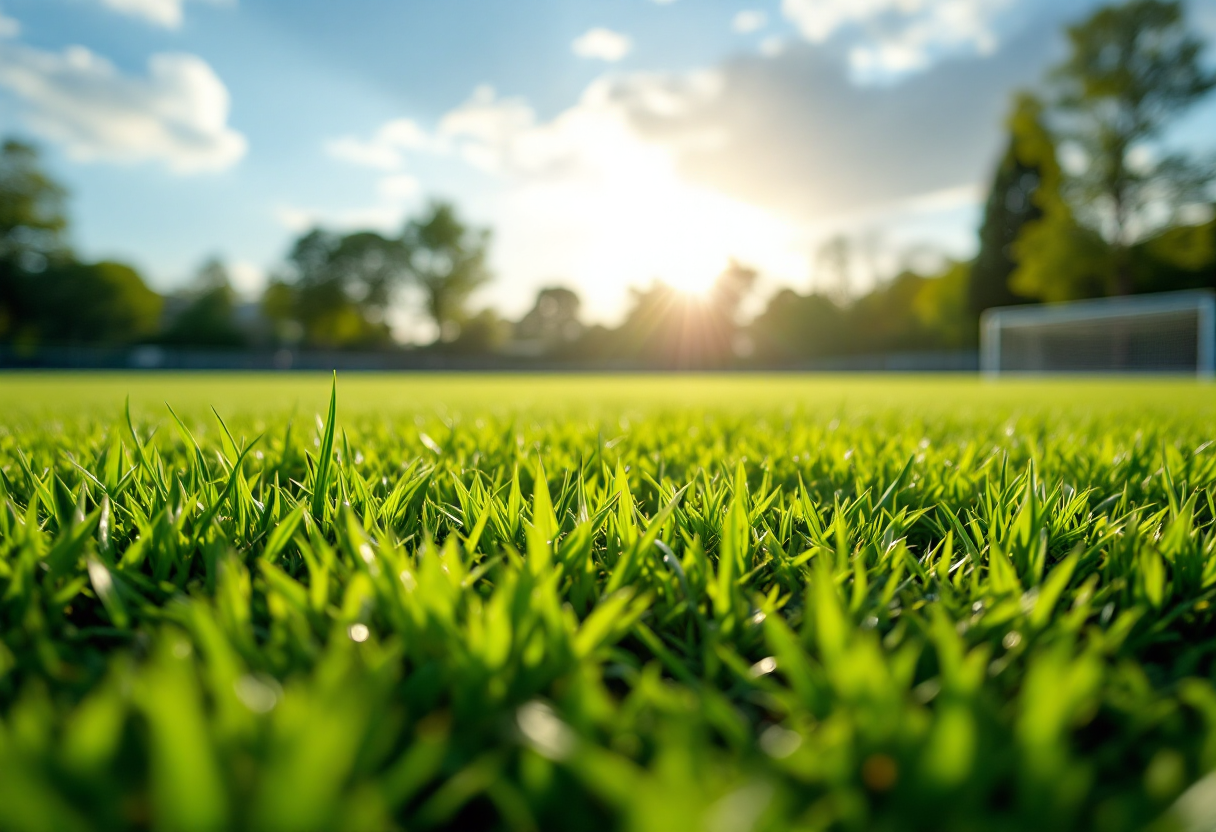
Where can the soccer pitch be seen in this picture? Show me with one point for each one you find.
(606, 602)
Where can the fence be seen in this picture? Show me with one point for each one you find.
(158, 358)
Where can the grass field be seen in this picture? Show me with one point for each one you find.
(646, 603)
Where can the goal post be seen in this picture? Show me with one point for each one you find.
(1171, 332)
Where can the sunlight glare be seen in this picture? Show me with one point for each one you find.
(629, 219)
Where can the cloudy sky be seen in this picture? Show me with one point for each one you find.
(606, 142)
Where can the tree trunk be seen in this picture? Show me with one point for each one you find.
(1124, 285)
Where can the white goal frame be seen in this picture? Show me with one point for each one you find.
(994, 322)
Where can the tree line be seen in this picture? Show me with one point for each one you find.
(1089, 199)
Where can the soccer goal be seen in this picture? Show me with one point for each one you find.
(1172, 332)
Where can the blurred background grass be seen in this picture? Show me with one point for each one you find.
(38, 395)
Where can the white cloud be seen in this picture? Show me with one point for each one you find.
(167, 13)
(294, 218)
(9, 28)
(592, 139)
(490, 133)
(893, 37)
(667, 175)
(939, 201)
(573, 188)
(384, 217)
(385, 149)
(176, 115)
(398, 186)
(800, 136)
(772, 46)
(749, 20)
(502, 135)
(602, 44)
(395, 194)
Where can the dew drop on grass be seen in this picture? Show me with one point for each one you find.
(740, 809)
(778, 742)
(927, 691)
(763, 667)
(151, 552)
(544, 730)
(257, 693)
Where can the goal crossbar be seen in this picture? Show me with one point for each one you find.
(998, 325)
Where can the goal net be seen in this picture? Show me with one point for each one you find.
(1173, 332)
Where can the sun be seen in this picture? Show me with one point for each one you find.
(634, 221)
(696, 284)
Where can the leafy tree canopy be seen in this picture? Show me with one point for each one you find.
(33, 222)
(209, 317)
(1132, 69)
(447, 260)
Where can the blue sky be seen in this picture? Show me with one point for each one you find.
(606, 142)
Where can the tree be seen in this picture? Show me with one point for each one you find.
(484, 333)
(1180, 257)
(446, 260)
(731, 289)
(794, 326)
(338, 289)
(368, 267)
(1059, 259)
(725, 338)
(941, 307)
(92, 303)
(885, 319)
(33, 226)
(553, 321)
(1028, 166)
(1049, 254)
(208, 318)
(33, 223)
(834, 268)
(1133, 68)
(45, 294)
(909, 312)
(675, 329)
(279, 304)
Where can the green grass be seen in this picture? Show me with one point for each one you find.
(644, 603)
